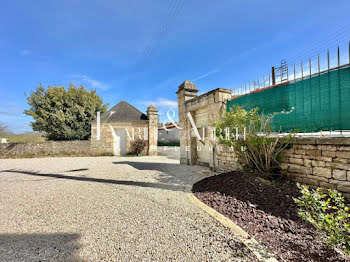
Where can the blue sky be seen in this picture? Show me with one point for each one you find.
(104, 44)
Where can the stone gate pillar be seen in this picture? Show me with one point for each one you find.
(187, 90)
(152, 114)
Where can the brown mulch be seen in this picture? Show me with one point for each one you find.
(266, 210)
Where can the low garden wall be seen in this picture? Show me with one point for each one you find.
(49, 148)
(226, 159)
(323, 162)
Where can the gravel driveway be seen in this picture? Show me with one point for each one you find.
(107, 209)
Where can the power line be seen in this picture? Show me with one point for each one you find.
(322, 46)
(154, 38)
(333, 40)
(157, 33)
(163, 34)
(164, 27)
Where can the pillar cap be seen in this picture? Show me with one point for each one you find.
(188, 86)
(152, 109)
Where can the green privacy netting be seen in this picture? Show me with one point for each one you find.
(319, 103)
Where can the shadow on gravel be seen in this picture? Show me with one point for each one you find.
(100, 180)
(162, 167)
(171, 173)
(39, 247)
(77, 170)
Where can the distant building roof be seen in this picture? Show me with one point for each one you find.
(168, 126)
(123, 112)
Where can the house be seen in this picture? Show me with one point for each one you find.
(3, 140)
(169, 133)
(118, 129)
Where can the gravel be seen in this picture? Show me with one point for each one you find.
(107, 209)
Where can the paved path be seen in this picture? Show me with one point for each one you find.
(107, 209)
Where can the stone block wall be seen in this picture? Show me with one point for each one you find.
(200, 111)
(171, 135)
(117, 138)
(105, 144)
(323, 162)
(49, 148)
(226, 159)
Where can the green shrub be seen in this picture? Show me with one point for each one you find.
(256, 146)
(327, 213)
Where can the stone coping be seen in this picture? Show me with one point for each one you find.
(223, 90)
(47, 142)
(322, 141)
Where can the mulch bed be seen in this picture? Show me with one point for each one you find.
(268, 213)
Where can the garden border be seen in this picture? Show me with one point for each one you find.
(253, 245)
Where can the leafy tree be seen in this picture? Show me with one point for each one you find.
(64, 114)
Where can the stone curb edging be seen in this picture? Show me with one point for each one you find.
(253, 245)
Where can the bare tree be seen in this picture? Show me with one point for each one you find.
(137, 146)
(3, 129)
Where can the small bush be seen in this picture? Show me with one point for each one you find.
(138, 146)
(256, 146)
(327, 213)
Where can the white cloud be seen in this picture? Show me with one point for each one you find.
(91, 82)
(11, 110)
(6, 113)
(206, 74)
(167, 83)
(167, 109)
(162, 102)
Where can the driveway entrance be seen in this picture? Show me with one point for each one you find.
(107, 209)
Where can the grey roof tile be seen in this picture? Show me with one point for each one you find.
(123, 112)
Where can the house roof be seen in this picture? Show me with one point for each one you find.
(123, 112)
(168, 126)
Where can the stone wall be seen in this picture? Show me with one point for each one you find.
(49, 148)
(226, 159)
(323, 162)
(204, 110)
(122, 129)
(168, 136)
(117, 138)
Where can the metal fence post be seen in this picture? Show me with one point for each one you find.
(328, 59)
(310, 66)
(302, 70)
